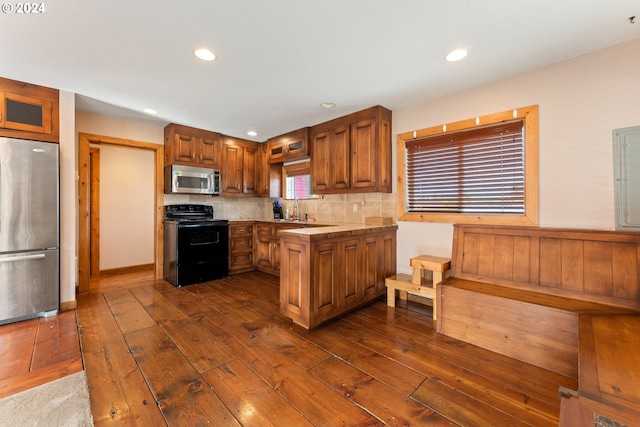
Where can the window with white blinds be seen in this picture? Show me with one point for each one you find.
(482, 170)
(478, 171)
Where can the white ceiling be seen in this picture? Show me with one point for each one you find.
(279, 59)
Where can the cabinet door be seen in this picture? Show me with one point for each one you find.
(275, 255)
(320, 163)
(209, 152)
(251, 170)
(387, 258)
(184, 148)
(264, 246)
(25, 113)
(276, 151)
(371, 266)
(324, 280)
(231, 171)
(296, 148)
(363, 154)
(340, 164)
(351, 272)
(295, 282)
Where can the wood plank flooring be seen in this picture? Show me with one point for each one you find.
(36, 351)
(220, 354)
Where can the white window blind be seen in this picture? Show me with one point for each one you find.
(478, 171)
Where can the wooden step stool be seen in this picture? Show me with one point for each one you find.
(428, 270)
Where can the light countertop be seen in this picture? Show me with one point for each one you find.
(313, 228)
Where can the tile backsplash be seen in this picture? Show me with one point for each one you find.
(341, 208)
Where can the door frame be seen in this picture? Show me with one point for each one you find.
(94, 212)
(84, 140)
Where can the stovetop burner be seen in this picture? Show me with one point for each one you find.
(190, 213)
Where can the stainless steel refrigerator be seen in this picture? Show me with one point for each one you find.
(29, 229)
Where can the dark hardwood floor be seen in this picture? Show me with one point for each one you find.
(36, 351)
(220, 354)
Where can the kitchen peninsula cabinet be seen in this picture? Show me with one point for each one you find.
(189, 146)
(352, 153)
(327, 271)
(29, 111)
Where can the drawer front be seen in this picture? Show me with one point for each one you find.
(240, 230)
(237, 261)
(241, 243)
(264, 230)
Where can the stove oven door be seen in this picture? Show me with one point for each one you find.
(202, 252)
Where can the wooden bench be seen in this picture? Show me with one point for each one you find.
(525, 292)
(518, 291)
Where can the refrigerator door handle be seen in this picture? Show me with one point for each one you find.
(22, 258)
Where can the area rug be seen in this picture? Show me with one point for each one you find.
(61, 403)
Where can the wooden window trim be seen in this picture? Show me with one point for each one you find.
(530, 218)
(293, 169)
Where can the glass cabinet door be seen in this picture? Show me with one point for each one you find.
(25, 113)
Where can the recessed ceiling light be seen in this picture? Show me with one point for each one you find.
(252, 133)
(150, 111)
(204, 54)
(328, 105)
(456, 55)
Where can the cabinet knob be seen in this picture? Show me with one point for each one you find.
(193, 156)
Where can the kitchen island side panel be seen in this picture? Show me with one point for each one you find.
(313, 281)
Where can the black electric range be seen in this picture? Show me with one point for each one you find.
(196, 245)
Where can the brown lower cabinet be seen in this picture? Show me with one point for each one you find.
(326, 274)
(268, 245)
(241, 258)
(255, 245)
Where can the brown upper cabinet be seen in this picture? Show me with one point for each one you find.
(189, 146)
(290, 146)
(352, 153)
(241, 173)
(28, 111)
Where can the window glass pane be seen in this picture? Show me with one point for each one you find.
(298, 187)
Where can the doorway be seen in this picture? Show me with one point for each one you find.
(84, 201)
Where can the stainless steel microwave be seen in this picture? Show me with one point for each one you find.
(192, 180)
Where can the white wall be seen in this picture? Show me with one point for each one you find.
(581, 101)
(118, 128)
(127, 193)
(68, 198)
